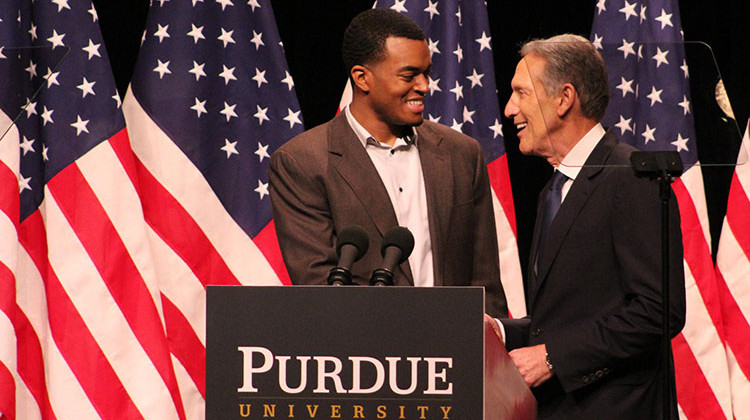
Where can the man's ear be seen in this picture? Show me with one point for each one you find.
(566, 99)
(359, 75)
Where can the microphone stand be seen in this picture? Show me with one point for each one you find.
(664, 166)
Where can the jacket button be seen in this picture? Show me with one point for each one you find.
(586, 379)
(599, 373)
(535, 332)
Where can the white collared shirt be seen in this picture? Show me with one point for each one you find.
(575, 159)
(400, 169)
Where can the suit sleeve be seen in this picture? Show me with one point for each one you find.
(304, 225)
(624, 341)
(486, 270)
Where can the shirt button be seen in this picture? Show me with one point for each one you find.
(393, 151)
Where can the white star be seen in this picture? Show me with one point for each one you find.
(433, 119)
(262, 152)
(260, 77)
(681, 143)
(629, 10)
(1, 53)
(648, 134)
(685, 104)
(288, 80)
(655, 95)
(484, 42)
(257, 40)
(226, 37)
(47, 116)
(458, 15)
(161, 32)
(44, 153)
(162, 68)
(626, 48)
(476, 79)
(433, 85)
(56, 39)
(80, 125)
(94, 15)
(31, 69)
(61, 4)
(432, 9)
(292, 118)
(196, 2)
(228, 111)
(660, 57)
(253, 4)
(230, 148)
(468, 115)
(433, 46)
(601, 7)
(626, 86)
(640, 52)
(598, 41)
(643, 13)
(197, 33)
(459, 53)
(117, 99)
(262, 189)
(197, 70)
(497, 129)
(92, 49)
(458, 90)
(51, 78)
(261, 114)
(624, 125)
(23, 183)
(199, 107)
(32, 31)
(161, 2)
(27, 145)
(225, 3)
(684, 68)
(30, 108)
(399, 6)
(665, 19)
(86, 88)
(227, 74)
(456, 125)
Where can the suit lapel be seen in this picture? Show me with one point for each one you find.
(580, 192)
(438, 180)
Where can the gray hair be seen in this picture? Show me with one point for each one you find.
(573, 59)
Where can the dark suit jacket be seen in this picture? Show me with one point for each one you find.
(596, 299)
(323, 181)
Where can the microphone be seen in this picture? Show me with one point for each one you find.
(351, 245)
(397, 246)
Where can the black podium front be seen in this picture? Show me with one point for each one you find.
(346, 352)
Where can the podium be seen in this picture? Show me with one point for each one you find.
(353, 352)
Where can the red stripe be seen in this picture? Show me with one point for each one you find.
(84, 213)
(268, 244)
(172, 222)
(7, 393)
(500, 182)
(9, 200)
(73, 338)
(736, 328)
(738, 210)
(698, 255)
(694, 394)
(185, 344)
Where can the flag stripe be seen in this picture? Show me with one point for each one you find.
(738, 209)
(694, 394)
(76, 343)
(7, 393)
(269, 246)
(185, 345)
(738, 329)
(500, 181)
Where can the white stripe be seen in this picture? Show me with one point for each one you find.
(740, 388)
(185, 182)
(85, 288)
(510, 266)
(703, 340)
(8, 345)
(195, 406)
(66, 396)
(9, 143)
(734, 266)
(693, 181)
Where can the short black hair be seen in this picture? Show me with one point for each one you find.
(364, 39)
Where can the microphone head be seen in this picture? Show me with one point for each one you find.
(401, 238)
(353, 235)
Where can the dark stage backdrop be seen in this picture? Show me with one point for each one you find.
(312, 30)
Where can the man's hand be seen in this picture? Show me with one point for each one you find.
(532, 363)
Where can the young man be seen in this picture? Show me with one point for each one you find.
(379, 165)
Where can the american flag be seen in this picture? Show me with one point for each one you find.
(81, 333)
(463, 96)
(733, 272)
(651, 109)
(210, 100)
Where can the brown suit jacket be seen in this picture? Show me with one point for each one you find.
(323, 181)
